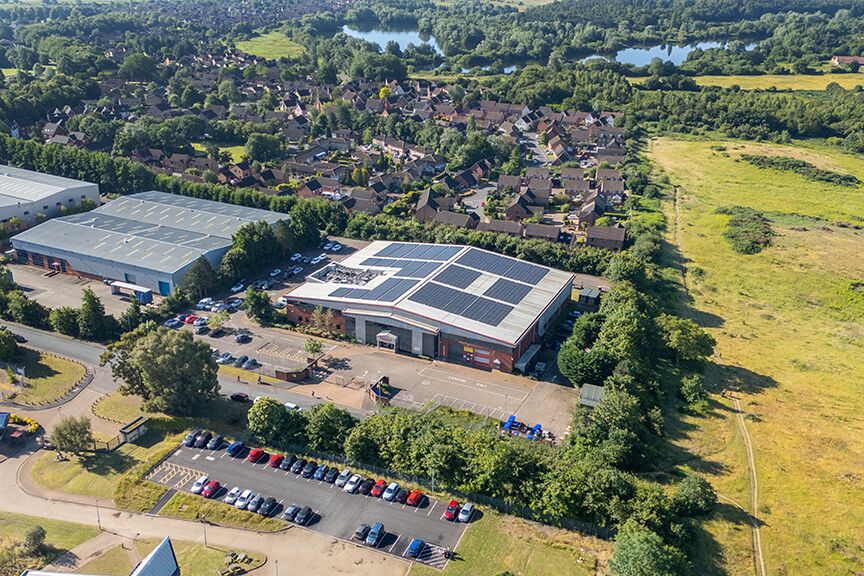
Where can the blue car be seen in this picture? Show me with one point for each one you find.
(235, 449)
(321, 472)
(376, 534)
(415, 547)
(172, 323)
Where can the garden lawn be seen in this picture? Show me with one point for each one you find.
(271, 45)
(495, 544)
(119, 408)
(789, 324)
(47, 377)
(237, 152)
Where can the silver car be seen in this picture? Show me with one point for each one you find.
(244, 499)
(231, 497)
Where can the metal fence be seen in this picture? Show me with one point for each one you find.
(109, 446)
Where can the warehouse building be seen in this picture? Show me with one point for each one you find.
(149, 239)
(458, 303)
(30, 196)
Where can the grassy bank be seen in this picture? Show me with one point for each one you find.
(188, 506)
(789, 325)
(46, 377)
(59, 537)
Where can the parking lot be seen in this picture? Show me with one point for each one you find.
(337, 513)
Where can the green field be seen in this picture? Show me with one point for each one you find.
(271, 45)
(783, 82)
(237, 152)
(59, 537)
(7, 72)
(498, 544)
(47, 377)
(789, 324)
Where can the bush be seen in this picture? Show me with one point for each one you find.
(747, 231)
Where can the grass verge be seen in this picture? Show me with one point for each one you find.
(59, 537)
(188, 506)
(47, 377)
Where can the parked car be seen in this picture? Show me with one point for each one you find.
(199, 484)
(291, 512)
(376, 534)
(256, 503)
(172, 323)
(190, 319)
(291, 407)
(225, 358)
(415, 548)
(218, 333)
(452, 510)
(304, 516)
(336, 247)
(190, 438)
(539, 369)
(297, 467)
(238, 287)
(204, 304)
(240, 361)
(331, 475)
(378, 489)
(321, 471)
(233, 494)
(250, 364)
(256, 455)
(287, 462)
(296, 256)
(298, 269)
(235, 448)
(366, 487)
(200, 321)
(415, 498)
(199, 330)
(353, 484)
(239, 397)
(361, 532)
(466, 512)
(242, 338)
(267, 507)
(391, 492)
(402, 496)
(243, 500)
(216, 442)
(275, 460)
(275, 272)
(18, 338)
(211, 489)
(309, 469)
(328, 246)
(343, 477)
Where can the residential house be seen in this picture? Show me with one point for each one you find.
(608, 237)
(468, 220)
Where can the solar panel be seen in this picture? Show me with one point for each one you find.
(340, 292)
(487, 311)
(457, 276)
(503, 266)
(398, 290)
(388, 250)
(456, 302)
(525, 272)
(381, 289)
(418, 251)
(508, 291)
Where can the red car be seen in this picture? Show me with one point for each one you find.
(190, 319)
(211, 489)
(275, 460)
(452, 510)
(378, 488)
(414, 498)
(256, 455)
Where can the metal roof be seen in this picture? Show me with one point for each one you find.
(151, 230)
(160, 562)
(494, 296)
(18, 185)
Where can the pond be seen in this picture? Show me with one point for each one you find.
(382, 37)
(666, 52)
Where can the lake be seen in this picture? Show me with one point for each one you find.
(382, 37)
(666, 52)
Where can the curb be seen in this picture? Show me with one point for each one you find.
(68, 396)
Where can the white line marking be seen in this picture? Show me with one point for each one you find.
(196, 456)
(394, 543)
(209, 458)
(432, 508)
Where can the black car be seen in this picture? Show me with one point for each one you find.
(18, 338)
(267, 507)
(298, 465)
(291, 512)
(242, 339)
(304, 516)
(288, 462)
(402, 496)
(240, 361)
(331, 475)
(361, 532)
(256, 503)
(190, 438)
(215, 443)
(366, 486)
(309, 469)
(202, 439)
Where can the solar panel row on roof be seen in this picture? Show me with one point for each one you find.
(419, 251)
(387, 291)
(462, 304)
(508, 291)
(503, 266)
(457, 276)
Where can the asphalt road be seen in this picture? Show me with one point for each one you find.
(337, 514)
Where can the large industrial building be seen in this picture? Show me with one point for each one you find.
(149, 239)
(458, 303)
(28, 196)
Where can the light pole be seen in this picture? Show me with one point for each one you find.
(204, 525)
(98, 517)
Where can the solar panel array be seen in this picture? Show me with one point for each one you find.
(387, 291)
(461, 303)
(419, 251)
(457, 276)
(508, 291)
(503, 266)
(407, 268)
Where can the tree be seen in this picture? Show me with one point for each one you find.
(131, 317)
(640, 552)
(693, 392)
(64, 320)
(257, 305)
(313, 347)
(263, 147)
(327, 427)
(25, 311)
(72, 435)
(201, 277)
(177, 371)
(686, 339)
(266, 420)
(138, 67)
(218, 320)
(695, 496)
(8, 345)
(581, 366)
(34, 541)
(91, 317)
(119, 356)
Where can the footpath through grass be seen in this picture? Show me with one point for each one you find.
(789, 324)
(59, 537)
(271, 45)
(46, 377)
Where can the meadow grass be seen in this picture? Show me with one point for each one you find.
(271, 45)
(783, 81)
(237, 152)
(789, 325)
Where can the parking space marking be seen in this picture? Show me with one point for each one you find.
(398, 536)
(209, 458)
(432, 508)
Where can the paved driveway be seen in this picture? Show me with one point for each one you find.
(337, 514)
